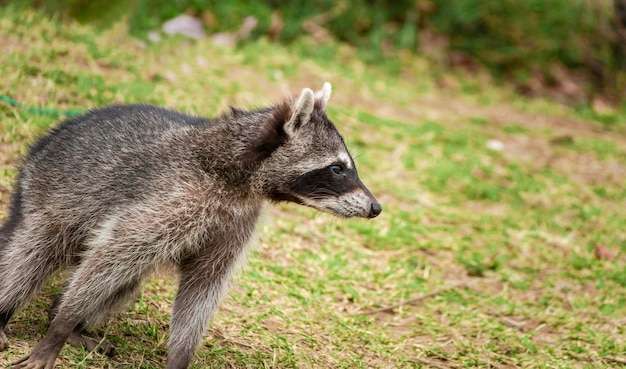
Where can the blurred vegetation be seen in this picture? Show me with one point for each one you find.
(503, 237)
(572, 50)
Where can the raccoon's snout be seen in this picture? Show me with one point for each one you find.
(375, 210)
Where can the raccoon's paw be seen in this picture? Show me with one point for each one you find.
(4, 342)
(32, 362)
(90, 343)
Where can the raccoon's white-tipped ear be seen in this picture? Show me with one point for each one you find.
(324, 95)
(301, 111)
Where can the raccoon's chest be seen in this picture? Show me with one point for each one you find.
(234, 225)
(210, 227)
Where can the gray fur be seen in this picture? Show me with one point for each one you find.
(119, 191)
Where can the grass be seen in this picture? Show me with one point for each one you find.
(482, 257)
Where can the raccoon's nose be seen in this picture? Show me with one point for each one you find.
(375, 210)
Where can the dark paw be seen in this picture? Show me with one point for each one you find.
(91, 343)
(32, 362)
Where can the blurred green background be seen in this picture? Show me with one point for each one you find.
(569, 50)
(503, 237)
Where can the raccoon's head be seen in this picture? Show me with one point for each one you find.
(306, 161)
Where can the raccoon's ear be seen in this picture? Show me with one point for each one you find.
(286, 119)
(322, 97)
(301, 112)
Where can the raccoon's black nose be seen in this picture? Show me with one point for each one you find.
(375, 210)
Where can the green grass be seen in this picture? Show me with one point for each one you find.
(481, 257)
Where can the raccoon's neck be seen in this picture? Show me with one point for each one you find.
(218, 149)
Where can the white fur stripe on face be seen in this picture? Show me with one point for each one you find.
(341, 157)
(344, 157)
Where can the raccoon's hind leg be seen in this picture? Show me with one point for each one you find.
(6, 232)
(4, 341)
(28, 258)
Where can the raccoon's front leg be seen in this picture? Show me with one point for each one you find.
(46, 352)
(82, 336)
(203, 283)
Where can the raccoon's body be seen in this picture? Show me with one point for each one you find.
(119, 191)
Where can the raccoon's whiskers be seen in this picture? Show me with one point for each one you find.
(323, 193)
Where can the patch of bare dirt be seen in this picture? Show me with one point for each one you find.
(11, 44)
(583, 167)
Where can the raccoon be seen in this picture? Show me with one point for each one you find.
(121, 190)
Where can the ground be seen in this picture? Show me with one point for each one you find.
(501, 242)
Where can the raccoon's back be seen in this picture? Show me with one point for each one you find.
(110, 128)
(101, 159)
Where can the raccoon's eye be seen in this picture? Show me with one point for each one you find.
(336, 168)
